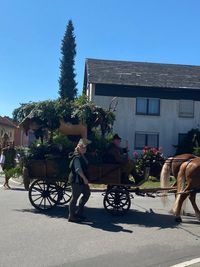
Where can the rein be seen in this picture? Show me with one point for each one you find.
(171, 192)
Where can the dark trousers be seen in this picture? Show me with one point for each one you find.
(77, 190)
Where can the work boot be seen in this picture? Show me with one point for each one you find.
(74, 219)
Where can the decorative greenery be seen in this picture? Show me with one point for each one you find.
(46, 112)
(56, 146)
(13, 172)
(94, 116)
(23, 111)
(97, 148)
(151, 157)
(47, 115)
(81, 100)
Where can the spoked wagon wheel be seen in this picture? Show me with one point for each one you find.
(64, 193)
(117, 201)
(43, 195)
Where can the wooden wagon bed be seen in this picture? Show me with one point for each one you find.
(50, 186)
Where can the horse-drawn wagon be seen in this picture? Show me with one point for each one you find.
(49, 184)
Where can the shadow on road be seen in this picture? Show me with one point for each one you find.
(99, 218)
(17, 189)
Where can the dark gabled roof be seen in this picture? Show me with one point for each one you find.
(7, 121)
(142, 74)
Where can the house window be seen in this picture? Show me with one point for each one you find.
(147, 106)
(181, 137)
(186, 108)
(146, 139)
(10, 134)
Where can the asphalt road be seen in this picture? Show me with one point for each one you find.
(146, 236)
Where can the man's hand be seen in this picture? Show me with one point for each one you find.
(86, 181)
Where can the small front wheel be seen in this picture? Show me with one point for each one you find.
(117, 201)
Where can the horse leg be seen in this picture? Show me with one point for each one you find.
(176, 210)
(192, 198)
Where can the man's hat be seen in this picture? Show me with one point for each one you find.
(116, 136)
(84, 142)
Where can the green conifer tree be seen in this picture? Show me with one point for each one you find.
(67, 83)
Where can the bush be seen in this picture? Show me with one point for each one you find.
(189, 143)
(196, 151)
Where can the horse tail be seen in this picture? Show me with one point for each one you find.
(164, 177)
(181, 185)
(165, 173)
(181, 182)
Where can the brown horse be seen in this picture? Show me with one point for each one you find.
(188, 183)
(172, 166)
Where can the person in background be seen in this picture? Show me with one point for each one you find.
(117, 155)
(8, 155)
(79, 181)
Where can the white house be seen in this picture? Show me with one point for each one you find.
(157, 103)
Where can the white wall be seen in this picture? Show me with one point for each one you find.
(168, 124)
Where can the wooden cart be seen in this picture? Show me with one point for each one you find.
(117, 196)
(47, 183)
(49, 186)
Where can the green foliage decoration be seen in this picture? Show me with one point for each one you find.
(94, 116)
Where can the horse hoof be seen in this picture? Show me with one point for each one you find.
(178, 219)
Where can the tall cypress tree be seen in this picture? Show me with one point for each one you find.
(67, 83)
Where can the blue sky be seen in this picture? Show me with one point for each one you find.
(164, 31)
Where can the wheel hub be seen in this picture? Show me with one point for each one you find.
(117, 199)
(45, 194)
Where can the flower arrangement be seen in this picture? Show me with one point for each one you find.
(151, 157)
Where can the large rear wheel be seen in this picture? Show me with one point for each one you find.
(43, 195)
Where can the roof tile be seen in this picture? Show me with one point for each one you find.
(142, 74)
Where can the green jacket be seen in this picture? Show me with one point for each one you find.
(74, 176)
